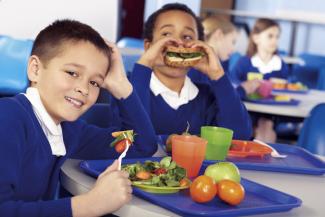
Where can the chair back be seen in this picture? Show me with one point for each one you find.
(130, 43)
(14, 56)
(312, 135)
(321, 79)
(308, 74)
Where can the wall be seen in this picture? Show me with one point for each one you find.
(151, 6)
(309, 37)
(25, 18)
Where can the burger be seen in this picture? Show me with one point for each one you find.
(182, 56)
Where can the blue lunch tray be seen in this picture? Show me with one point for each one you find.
(298, 160)
(271, 101)
(290, 91)
(259, 199)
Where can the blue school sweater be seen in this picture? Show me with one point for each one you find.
(29, 173)
(217, 104)
(244, 66)
(197, 76)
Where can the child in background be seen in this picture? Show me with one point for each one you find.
(261, 58)
(221, 35)
(69, 63)
(171, 99)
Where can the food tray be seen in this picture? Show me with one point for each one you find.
(259, 199)
(298, 160)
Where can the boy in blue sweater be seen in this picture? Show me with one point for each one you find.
(169, 96)
(69, 63)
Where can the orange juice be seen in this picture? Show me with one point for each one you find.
(189, 153)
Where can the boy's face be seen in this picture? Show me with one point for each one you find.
(69, 83)
(178, 25)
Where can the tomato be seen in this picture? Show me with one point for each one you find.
(143, 175)
(121, 145)
(159, 171)
(231, 192)
(203, 189)
(184, 182)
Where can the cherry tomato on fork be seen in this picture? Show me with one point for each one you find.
(120, 146)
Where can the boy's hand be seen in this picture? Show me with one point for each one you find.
(111, 191)
(251, 86)
(154, 55)
(116, 81)
(209, 64)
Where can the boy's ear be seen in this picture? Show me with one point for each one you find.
(33, 69)
(147, 44)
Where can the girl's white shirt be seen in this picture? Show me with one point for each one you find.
(173, 99)
(274, 64)
(52, 131)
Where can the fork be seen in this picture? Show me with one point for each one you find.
(274, 152)
(123, 155)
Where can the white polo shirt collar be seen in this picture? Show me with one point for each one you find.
(275, 64)
(52, 131)
(172, 98)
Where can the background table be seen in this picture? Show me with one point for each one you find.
(307, 103)
(311, 189)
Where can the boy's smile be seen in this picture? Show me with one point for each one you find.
(70, 82)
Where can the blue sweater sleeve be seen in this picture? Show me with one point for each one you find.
(95, 141)
(231, 112)
(12, 148)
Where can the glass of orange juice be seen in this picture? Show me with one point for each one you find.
(189, 152)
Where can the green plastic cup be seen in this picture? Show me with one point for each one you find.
(219, 141)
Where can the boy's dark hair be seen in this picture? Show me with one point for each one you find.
(49, 41)
(150, 23)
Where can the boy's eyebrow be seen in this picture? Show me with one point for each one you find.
(190, 28)
(166, 25)
(171, 25)
(75, 65)
(100, 76)
(81, 66)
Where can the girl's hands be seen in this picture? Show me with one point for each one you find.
(116, 81)
(209, 64)
(111, 191)
(154, 55)
(251, 86)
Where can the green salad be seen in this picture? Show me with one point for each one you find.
(153, 173)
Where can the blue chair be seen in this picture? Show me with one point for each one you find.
(130, 59)
(130, 43)
(14, 55)
(321, 79)
(312, 135)
(309, 73)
